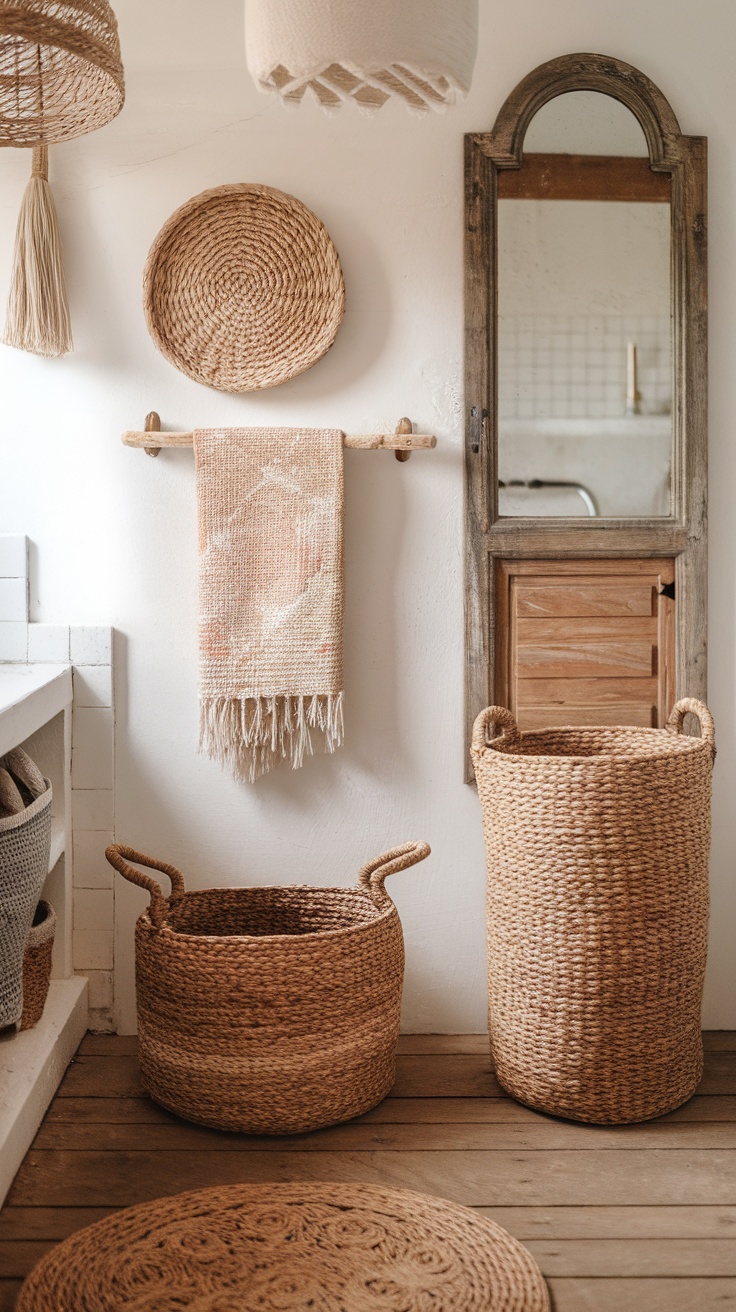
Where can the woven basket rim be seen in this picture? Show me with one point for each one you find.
(669, 744)
(145, 921)
(10, 822)
(40, 934)
(162, 339)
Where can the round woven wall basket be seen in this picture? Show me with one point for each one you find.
(282, 1247)
(243, 288)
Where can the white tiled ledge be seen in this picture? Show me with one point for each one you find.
(30, 696)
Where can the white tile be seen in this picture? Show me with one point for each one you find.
(100, 1020)
(100, 987)
(93, 808)
(48, 642)
(13, 641)
(92, 949)
(92, 685)
(91, 748)
(93, 909)
(13, 556)
(91, 870)
(14, 600)
(91, 644)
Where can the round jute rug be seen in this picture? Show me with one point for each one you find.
(283, 1247)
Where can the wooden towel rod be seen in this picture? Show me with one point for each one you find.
(402, 442)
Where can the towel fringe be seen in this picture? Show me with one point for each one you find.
(250, 735)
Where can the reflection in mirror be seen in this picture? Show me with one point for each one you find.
(584, 318)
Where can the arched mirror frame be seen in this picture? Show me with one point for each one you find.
(681, 534)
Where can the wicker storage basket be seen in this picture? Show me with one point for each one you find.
(597, 847)
(269, 1010)
(25, 843)
(37, 965)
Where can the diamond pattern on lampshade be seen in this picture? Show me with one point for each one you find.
(422, 51)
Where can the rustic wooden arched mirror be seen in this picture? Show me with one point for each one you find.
(585, 455)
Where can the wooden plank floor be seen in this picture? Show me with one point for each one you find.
(628, 1219)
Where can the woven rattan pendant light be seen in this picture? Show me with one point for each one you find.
(60, 76)
(368, 51)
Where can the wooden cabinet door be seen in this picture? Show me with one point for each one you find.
(586, 641)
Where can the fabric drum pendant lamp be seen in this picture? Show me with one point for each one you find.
(61, 76)
(421, 51)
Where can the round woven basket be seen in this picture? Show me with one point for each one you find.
(60, 70)
(243, 288)
(276, 1247)
(597, 846)
(269, 1010)
(37, 964)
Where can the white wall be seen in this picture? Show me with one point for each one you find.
(114, 532)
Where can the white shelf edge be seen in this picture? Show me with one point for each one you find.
(30, 696)
(58, 841)
(32, 1064)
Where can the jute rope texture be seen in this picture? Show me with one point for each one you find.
(597, 846)
(269, 1010)
(60, 70)
(37, 964)
(243, 289)
(288, 1247)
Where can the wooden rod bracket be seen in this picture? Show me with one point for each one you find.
(402, 442)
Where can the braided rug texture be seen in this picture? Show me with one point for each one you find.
(269, 1010)
(60, 70)
(283, 1247)
(597, 845)
(243, 288)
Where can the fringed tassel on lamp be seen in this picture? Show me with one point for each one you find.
(38, 310)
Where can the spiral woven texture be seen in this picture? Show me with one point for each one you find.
(243, 288)
(60, 70)
(597, 845)
(37, 965)
(270, 1010)
(289, 1247)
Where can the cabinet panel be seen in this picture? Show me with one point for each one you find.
(586, 642)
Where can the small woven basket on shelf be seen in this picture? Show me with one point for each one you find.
(37, 964)
(269, 1010)
(597, 844)
(25, 845)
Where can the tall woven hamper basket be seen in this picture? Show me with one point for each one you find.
(597, 845)
(269, 1010)
(25, 843)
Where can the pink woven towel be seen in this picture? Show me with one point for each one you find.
(270, 510)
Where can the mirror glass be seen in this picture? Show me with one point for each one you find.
(584, 318)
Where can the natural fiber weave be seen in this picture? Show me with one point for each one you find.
(597, 844)
(25, 844)
(60, 70)
(243, 288)
(289, 1248)
(37, 965)
(269, 1010)
(270, 508)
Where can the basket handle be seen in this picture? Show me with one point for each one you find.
(117, 854)
(691, 706)
(493, 725)
(374, 873)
